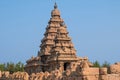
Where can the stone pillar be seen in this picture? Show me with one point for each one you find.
(61, 67)
(0, 74)
(73, 66)
(103, 74)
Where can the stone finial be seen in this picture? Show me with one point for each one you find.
(55, 6)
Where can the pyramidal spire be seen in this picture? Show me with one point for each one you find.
(56, 47)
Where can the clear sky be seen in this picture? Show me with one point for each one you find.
(93, 25)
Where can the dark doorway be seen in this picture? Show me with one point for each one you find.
(66, 65)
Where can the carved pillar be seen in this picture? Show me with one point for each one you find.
(61, 67)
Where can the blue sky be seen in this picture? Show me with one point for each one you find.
(93, 25)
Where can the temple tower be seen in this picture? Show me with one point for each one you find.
(48, 41)
(56, 47)
(56, 50)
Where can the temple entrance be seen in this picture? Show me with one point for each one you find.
(66, 65)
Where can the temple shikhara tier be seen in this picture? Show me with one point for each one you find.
(57, 58)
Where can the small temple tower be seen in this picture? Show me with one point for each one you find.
(56, 49)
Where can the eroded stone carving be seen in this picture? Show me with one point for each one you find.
(115, 68)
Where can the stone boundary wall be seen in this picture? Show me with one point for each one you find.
(55, 76)
(83, 72)
(113, 77)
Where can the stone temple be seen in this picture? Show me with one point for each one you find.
(56, 50)
(57, 59)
